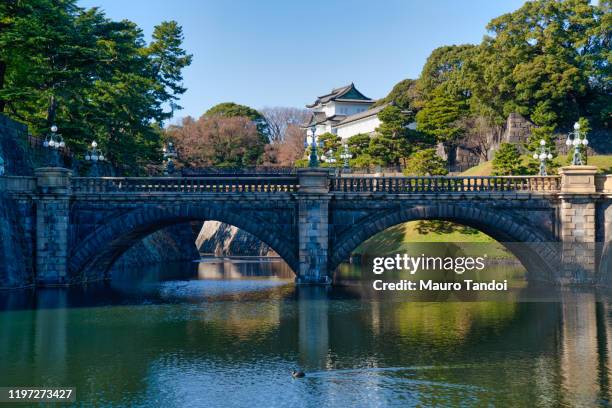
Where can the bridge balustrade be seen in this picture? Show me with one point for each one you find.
(184, 184)
(446, 184)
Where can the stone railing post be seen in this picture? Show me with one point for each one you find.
(577, 226)
(313, 219)
(52, 220)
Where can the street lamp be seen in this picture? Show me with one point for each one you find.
(345, 156)
(577, 139)
(328, 157)
(94, 155)
(54, 141)
(314, 158)
(543, 155)
(169, 155)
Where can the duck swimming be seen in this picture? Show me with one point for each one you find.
(298, 374)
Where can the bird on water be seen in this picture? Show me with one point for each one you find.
(298, 374)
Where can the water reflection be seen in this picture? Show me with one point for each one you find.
(189, 341)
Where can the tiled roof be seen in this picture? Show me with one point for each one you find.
(337, 93)
(319, 117)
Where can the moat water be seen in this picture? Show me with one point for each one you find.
(227, 333)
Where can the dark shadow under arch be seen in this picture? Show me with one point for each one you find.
(535, 250)
(93, 257)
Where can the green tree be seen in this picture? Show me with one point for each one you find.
(403, 95)
(392, 142)
(445, 71)
(95, 78)
(383, 150)
(544, 118)
(548, 51)
(364, 160)
(358, 144)
(330, 141)
(441, 117)
(231, 109)
(426, 163)
(507, 161)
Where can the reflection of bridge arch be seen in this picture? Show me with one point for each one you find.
(536, 251)
(94, 255)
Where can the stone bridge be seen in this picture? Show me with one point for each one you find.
(76, 227)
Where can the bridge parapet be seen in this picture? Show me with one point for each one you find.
(273, 184)
(18, 184)
(603, 183)
(446, 184)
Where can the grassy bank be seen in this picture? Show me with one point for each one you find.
(422, 236)
(603, 162)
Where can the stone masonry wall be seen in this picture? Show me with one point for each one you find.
(13, 147)
(16, 268)
(578, 237)
(223, 239)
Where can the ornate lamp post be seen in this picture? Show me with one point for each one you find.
(543, 155)
(577, 139)
(346, 156)
(169, 155)
(328, 157)
(94, 155)
(54, 141)
(314, 158)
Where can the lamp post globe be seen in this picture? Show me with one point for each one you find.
(543, 154)
(576, 139)
(54, 141)
(314, 159)
(169, 154)
(94, 156)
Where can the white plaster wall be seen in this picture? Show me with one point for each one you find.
(366, 125)
(329, 109)
(343, 108)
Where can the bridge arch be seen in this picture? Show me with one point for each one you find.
(536, 250)
(92, 257)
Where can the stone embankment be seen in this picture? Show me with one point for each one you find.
(223, 239)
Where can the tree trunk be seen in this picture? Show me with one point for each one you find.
(51, 111)
(2, 75)
(451, 153)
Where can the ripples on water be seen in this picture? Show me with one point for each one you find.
(226, 333)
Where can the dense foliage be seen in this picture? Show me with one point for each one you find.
(95, 78)
(425, 163)
(548, 60)
(507, 161)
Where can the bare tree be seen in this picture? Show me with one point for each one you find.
(279, 118)
(292, 148)
(217, 141)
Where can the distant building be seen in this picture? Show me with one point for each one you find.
(344, 112)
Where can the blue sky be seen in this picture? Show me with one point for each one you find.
(285, 53)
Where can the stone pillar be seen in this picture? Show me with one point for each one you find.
(313, 219)
(52, 220)
(577, 226)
